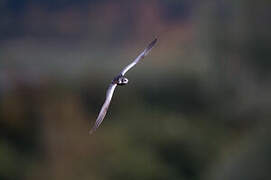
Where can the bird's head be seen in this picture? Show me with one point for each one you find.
(122, 81)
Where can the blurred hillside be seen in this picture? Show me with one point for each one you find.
(197, 107)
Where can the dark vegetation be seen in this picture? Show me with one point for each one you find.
(198, 107)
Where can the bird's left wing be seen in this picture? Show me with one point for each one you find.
(105, 106)
(142, 55)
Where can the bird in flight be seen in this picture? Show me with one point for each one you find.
(119, 80)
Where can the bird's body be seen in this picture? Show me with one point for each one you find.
(118, 80)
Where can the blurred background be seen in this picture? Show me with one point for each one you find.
(196, 108)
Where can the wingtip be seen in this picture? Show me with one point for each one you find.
(152, 44)
(155, 39)
(90, 132)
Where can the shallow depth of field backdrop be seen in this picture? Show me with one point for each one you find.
(197, 108)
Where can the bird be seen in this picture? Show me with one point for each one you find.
(119, 80)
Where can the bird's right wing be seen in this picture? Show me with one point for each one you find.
(105, 106)
(142, 55)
